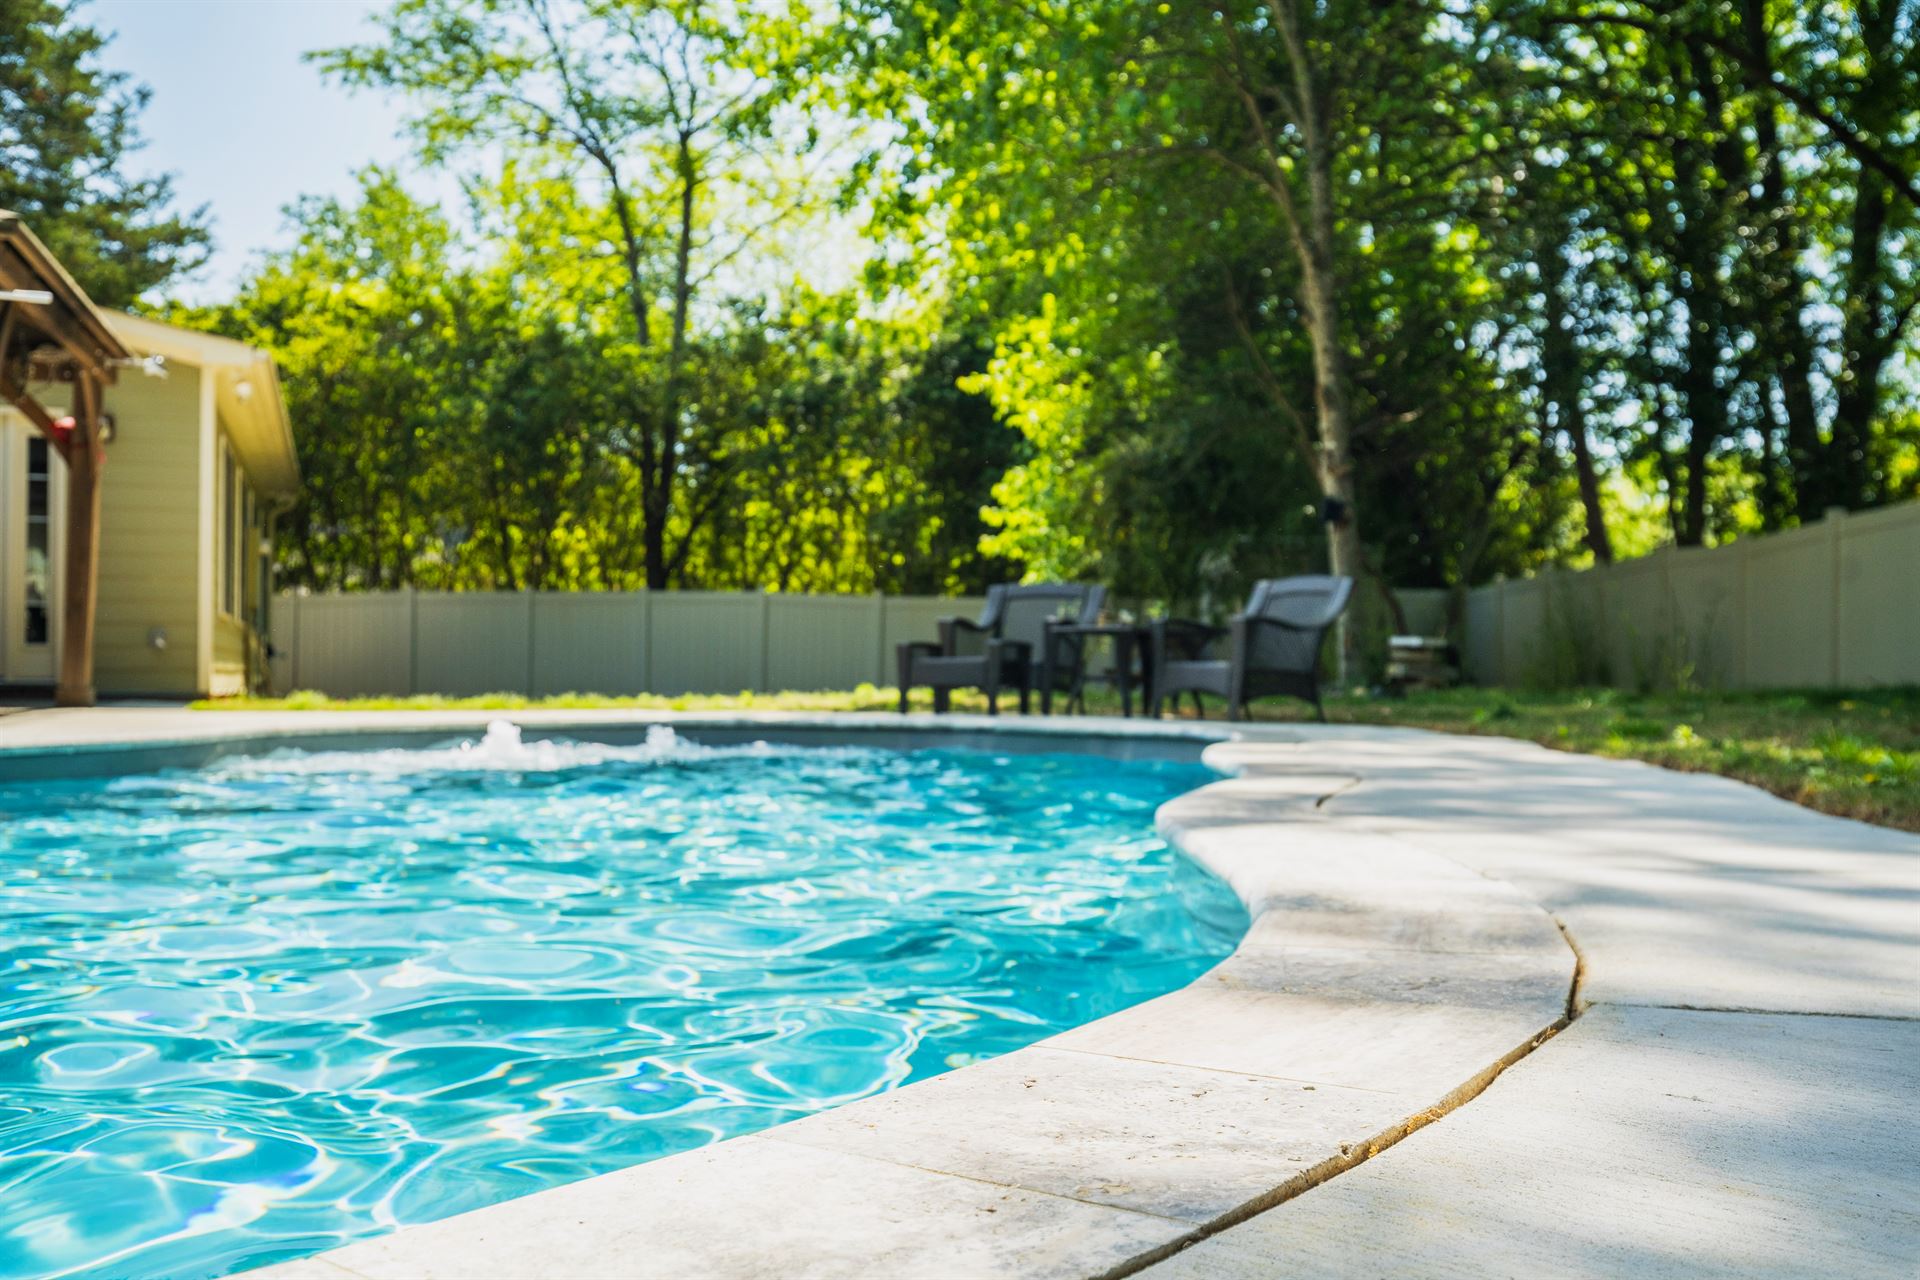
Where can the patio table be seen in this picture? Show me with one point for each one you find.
(1130, 639)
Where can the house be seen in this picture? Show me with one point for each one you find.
(195, 459)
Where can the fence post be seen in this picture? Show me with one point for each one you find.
(766, 648)
(413, 640)
(1500, 630)
(1835, 521)
(646, 639)
(533, 602)
(293, 626)
(1742, 552)
(880, 638)
(1669, 606)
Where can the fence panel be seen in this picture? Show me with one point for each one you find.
(823, 642)
(1480, 652)
(707, 641)
(472, 642)
(1789, 628)
(1523, 627)
(1706, 631)
(589, 642)
(1835, 603)
(354, 646)
(1878, 611)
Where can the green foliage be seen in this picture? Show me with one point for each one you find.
(1096, 168)
(462, 391)
(68, 134)
(1520, 283)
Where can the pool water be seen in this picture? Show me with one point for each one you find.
(254, 1011)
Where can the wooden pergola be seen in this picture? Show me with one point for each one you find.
(50, 332)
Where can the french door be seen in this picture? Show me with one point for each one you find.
(34, 479)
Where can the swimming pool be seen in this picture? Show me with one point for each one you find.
(256, 1010)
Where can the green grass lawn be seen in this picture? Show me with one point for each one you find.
(1855, 754)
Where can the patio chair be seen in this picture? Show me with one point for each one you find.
(1009, 647)
(1273, 647)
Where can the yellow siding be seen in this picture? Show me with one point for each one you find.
(149, 528)
(229, 657)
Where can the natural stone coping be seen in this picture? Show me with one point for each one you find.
(1380, 986)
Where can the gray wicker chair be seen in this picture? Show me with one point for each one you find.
(1009, 647)
(1273, 647)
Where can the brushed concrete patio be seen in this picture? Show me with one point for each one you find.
(1734, 1096)
(1738, 1094)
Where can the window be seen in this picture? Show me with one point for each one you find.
(249, 513)
(39, 575)
(259, 554)
(229, 496)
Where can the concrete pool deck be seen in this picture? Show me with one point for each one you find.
(1627, 1022)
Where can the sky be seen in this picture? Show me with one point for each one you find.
(241, 122)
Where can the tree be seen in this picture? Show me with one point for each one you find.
(1295, 175)
(68, 135)
(1173, 297)
(659, 109)
(1741, 174)
(454, 380)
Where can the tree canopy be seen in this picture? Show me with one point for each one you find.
(69, 140)
(921, 294)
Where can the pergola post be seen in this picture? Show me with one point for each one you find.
(51, 332)
(85, 453)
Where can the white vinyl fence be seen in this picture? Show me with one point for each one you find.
(1832, 604)
(549, 642)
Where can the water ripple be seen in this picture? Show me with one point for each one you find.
(254, 1011)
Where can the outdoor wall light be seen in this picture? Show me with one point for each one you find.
(242, 389)
(157, 639)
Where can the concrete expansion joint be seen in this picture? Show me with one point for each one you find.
(1763, 1011)
(1576, 1001)
(1352, 1155)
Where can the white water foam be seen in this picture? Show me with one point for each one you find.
(503, 749)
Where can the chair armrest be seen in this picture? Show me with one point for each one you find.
(1246, 624)
(920, 648)
(955, 628)
(951, 629)
(1246, 628)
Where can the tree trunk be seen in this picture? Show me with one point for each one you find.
(1865, 346)
(1560, 365)
(1333, 415)
(1697, 288)
(659, 563)
(653, 538)
(1782, 328)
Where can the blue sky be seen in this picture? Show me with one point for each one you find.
(243, 124)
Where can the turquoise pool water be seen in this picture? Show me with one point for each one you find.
(254, 1011)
